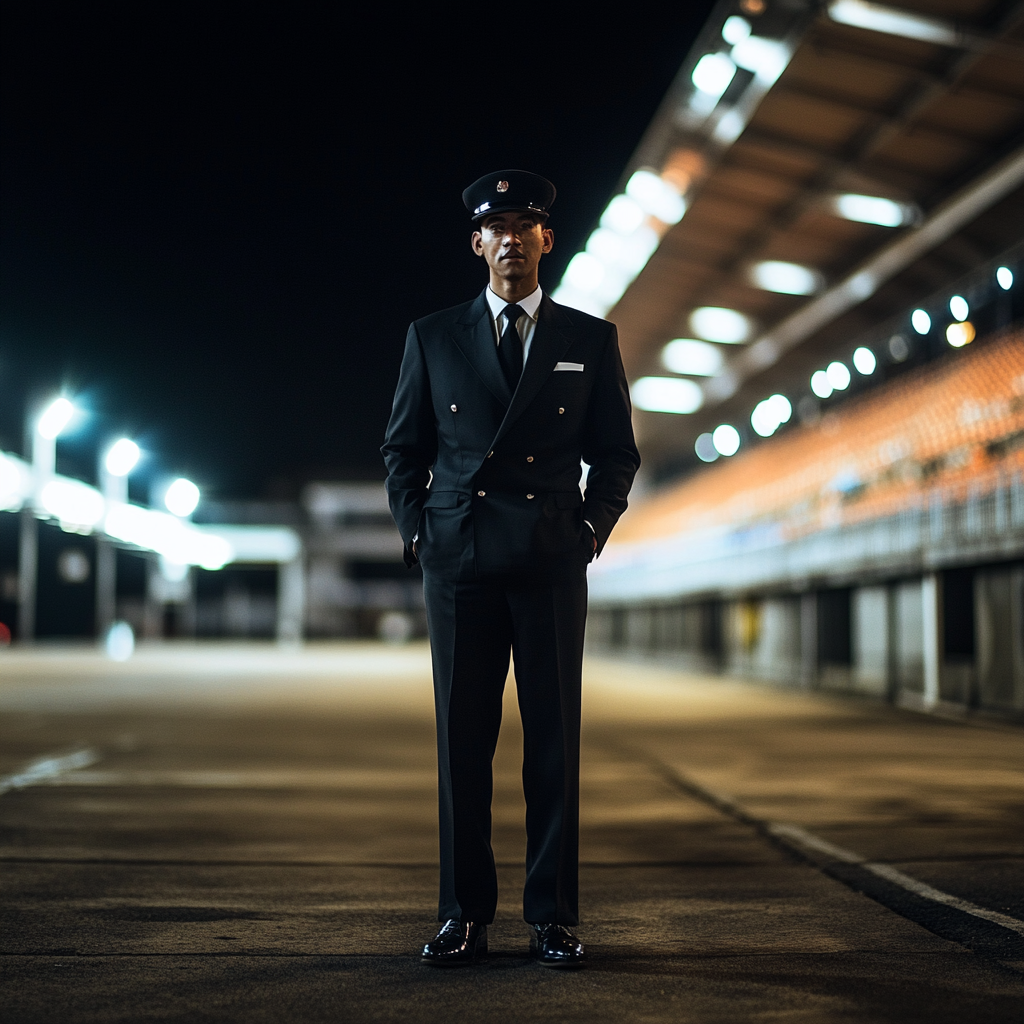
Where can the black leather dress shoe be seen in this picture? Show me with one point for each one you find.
(554, 945)
(458, 942)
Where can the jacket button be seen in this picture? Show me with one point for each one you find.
(529, 458)
(529, 496)
(560, 410)
(481, 493)
(455, 408)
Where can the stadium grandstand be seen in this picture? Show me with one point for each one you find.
(814, 260)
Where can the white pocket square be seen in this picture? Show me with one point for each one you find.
(578, 367)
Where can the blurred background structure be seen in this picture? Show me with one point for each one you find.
(814, 261)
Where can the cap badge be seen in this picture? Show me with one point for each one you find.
(502, 186)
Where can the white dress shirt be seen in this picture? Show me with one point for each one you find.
(527, 323)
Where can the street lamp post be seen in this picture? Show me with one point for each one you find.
(41, 433)
(114, 466)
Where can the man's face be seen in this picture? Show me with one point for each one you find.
(512, 243)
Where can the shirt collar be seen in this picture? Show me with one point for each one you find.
(530, 304)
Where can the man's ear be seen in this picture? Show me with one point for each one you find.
(477, 242)
(549, 239)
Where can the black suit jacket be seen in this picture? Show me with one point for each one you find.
(489, 481)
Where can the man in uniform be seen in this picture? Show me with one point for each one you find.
(498, 402)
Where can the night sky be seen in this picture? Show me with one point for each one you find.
(218, 220)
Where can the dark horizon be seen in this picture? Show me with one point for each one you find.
(215, 235)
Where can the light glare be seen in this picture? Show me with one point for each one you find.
(122, 457)
(623, 215)
(181, 498)
(893, 22)
(766, 58)
(820, 384)
(735, 29)
(55, 418)
(1004, 278)
(667, 394)
(716, 323)
(770, 414)
(713, 73)
(75, 504)
(871, 210)
(120, 642)
(704, 446)
(656, 197)
(920, 321)
(958, 308)
(584, 272)
(726, 439)
(960, 334)
(864, 360)
(838, 375)
(687, 355)
(786, 278)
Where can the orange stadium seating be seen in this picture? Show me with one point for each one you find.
(949, 428)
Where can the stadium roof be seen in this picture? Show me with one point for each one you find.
(819, 169)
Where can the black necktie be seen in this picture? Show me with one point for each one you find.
(510, 348)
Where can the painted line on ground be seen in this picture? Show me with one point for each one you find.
(794, 833)
(47, 768)
(993, 934)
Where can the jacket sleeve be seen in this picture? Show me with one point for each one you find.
(410, 444)
(608, 445)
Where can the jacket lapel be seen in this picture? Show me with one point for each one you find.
(474, 336)
(551, 338)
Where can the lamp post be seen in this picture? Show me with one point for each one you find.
(116, 463)
(41, 432)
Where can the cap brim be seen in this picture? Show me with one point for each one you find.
(499, 207)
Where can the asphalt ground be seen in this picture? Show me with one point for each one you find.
(241, 833)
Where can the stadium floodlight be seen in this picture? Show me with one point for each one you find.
(705, 448)
(766, 58)
(886, 213)
(713, 73)
(55, 418)
(735, 29)
(920, 321)
(838, 375)
(122, 457)
(959, 308)
(181, 498)
(716, 323)
(622, 215)
(892, 21)
(820, 384)
(688, 355)
(1004, 278)
(656, 196)
(726, 439)
(785, 278)
(864, 360)
(667, 394)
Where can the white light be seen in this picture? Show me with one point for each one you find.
(76, 505)
(787, 278)
(181, 498)
(667, 394)
(959, 308)
(838, 376)
(122, 457)
(864, 360)
(584, 272)
(820, 384)
(715, 323)
(766, 58)
(1004, 278)
(920, 321)
(636, 250)
(656, 196)
(726, 439)
(770, 414)
(872, 210)
(622, 215)
(735, 29)
(893, 22)
(729, 126)
(175, 540)
(704, 446)
(120, 642)
(15, 483)
(687, 355)
(55, 418)
(173, 572)
(713, 73)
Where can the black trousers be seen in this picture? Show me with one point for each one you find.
(473, 628)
